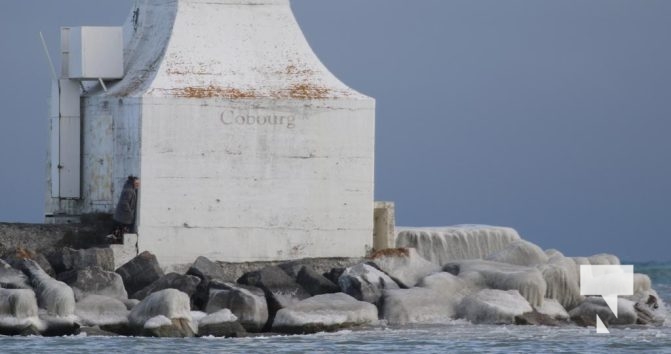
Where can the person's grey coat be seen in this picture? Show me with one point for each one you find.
(125, 209)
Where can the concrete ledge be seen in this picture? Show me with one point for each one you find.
(45, 238)
(126, 251)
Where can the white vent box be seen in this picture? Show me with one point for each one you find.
(95, 53)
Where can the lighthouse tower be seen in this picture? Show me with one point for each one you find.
(248, 148)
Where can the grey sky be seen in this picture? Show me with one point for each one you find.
(552, 117)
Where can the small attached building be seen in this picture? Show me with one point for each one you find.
(248, 148)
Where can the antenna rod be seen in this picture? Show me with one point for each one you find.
(51, 63)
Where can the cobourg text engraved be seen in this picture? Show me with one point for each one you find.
(260, 119)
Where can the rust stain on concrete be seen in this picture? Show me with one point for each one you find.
(390, 252)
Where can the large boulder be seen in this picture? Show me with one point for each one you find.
(502, 276)
(19, 313)
(365, 283)
(404, 265)
(222, 323)
(184, 283)
(280, 289)
(96, 310)
(174, 308)
(521, 252)
(434, 301)
(562, 278)
(11, 278)
(56, 297)
(207, 270)
(68, 259)
(493, 307)
(442, 245)
(585, 313)
(94, 281)
(324, 313)
(162, 326)
(553, 309)
(315, 283)
(247, 303)
(140, 271)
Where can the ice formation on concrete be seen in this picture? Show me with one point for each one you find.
(442, 245)
(170, 303)
(52, 295)
(493, 275)
(493, 306)
(520, 252)
(322, 312)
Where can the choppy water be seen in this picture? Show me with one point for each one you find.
(453, 337)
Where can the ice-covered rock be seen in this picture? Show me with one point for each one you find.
(585, 313)
(642, 283)
(56, 297)
(140, 272)
(280, 289)
(597, 259)
(222, 323)
(553, 309)
(442, 245)
(171, 303)
(324, 313)
(553, 253)
(501, 276)
(434, 301)
(97, 310)
(184, 283)
(493, 306)
(18, 312)
(162, 326)
(365, 283)
(604, 259)
(94, 281)
(19, 303)
(519, 252)
(404, 265)
(562, 278)
(247, 303)
(11, 278)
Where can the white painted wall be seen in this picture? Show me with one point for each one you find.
(242, 192)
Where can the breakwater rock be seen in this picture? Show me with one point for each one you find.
(481, 274)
